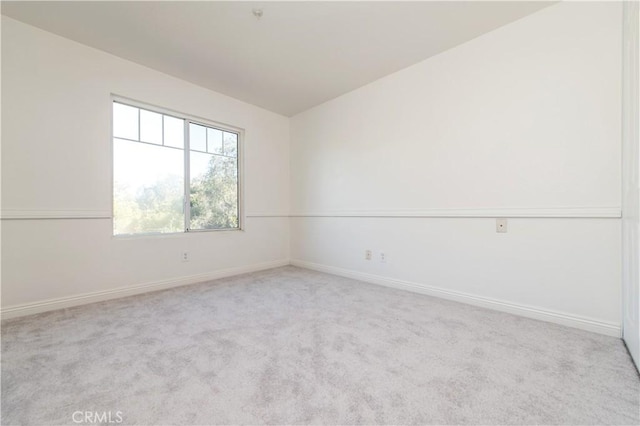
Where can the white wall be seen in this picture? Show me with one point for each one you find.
(56, 164)
(522, 121)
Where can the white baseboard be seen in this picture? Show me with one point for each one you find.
(602, 327)
(99, 296)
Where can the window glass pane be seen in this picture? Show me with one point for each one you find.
(125, 121)
(173, 132)
(214, 191)
(230, 144)
(197, 137)
(147, 199)
(214, 141)
(149, 184)
(150, 127)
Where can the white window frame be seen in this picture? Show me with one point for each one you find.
(189, 119)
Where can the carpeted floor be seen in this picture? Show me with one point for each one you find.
(291, 346)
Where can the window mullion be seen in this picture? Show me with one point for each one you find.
(187, 179)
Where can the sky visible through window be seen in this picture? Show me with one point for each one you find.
(149, 168)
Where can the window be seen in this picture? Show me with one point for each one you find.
(171, 173)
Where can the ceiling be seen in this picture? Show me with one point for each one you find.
(296, 56)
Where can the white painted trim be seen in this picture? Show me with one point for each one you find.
(99, 296)
(16, 214)
(602, 327)
(533, 212)
(267, 214)
(589, 324)
(630, 183)
(19, 214)
(530, 212)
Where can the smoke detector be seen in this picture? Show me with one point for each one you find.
(257, 13)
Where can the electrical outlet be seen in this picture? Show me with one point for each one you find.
(501, 226)
(367, 255)
(383, 257)
(185, 256)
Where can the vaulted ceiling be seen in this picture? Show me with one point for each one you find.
(295, 56)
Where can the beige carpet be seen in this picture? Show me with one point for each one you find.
(291, 346)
